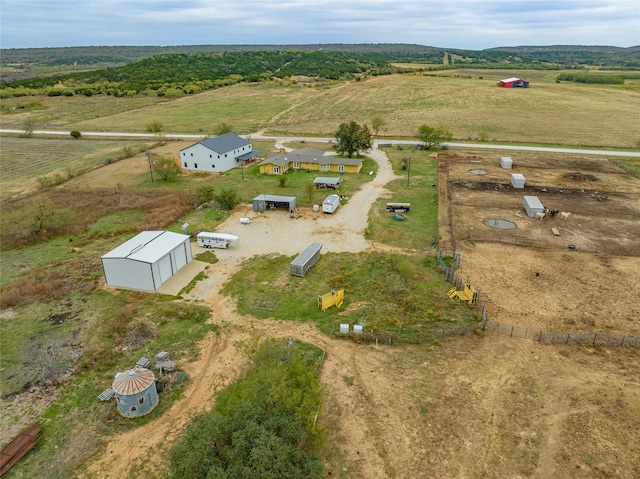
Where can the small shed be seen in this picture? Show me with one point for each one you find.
(270, 202)
(305, 260)
(147, 260)
(323, 183)
(517, 180)
(506, 162)
(532, 205)
(135, 391)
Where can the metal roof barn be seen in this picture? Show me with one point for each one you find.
(147, 260)
(305, 260)
(135, 391)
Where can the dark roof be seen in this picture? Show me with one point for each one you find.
(249, 155)
(225, 143)
(309, 155)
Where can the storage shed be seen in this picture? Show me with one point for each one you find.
(323, 183)
(506, 162)
(270, 202)
(135, 391)
(517, 180)
(305, 260)
(147, 260)
(532, 205)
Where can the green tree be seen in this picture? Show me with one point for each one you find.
(432, 136)
(227, 198)
(165, 168)
(353, 138)
(310, 190)
(378, 124)
(282, 181)
(76, 134)
(155, 127)
(222, 128)
(28, 126)
(206, 192)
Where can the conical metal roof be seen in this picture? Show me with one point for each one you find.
(133, 381)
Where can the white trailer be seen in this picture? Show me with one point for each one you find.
(216, 240)
(330, 204)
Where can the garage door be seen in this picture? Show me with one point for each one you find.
(181, 257)
(165, 269)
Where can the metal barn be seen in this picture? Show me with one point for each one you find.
(147, 260)
(269, 202)
(305, 260)
(532, 205)
(135, 391)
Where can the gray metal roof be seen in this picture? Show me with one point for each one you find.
(148, 246)
(249, 155)
(326, 181)
(280, 199)
(225, 143)
(309, 155)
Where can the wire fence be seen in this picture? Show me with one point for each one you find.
(548, 337)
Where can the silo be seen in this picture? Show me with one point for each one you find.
(136, 393)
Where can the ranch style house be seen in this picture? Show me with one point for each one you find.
(308, 159)
(218, 154)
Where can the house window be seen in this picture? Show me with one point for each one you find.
(191, 154)
(324, 167)
(213, 167)
(276, 170)
(195, 165)
(296, 165)
(141, 400)
(184, 154)
(133, 408)
(210, 156)
(185, 164)
(225, 155)
(341, 168)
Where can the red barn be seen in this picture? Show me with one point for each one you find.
(514, 82)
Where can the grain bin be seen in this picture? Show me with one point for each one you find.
(135, 391)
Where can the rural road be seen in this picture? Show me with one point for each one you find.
(488, 146)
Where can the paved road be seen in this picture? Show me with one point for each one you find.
(283, 139)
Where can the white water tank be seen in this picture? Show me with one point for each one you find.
(316, 207)
(245, 221)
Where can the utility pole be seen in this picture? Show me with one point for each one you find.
(149, 153)
(408, 170)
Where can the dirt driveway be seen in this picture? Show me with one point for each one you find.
(480, 406)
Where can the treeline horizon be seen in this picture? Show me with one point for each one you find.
(86, 71)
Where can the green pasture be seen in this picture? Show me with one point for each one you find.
(418, 186)
(24, 160)
(383, 292)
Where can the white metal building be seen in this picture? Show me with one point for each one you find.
(532, 205)
(218, 154)
(147, 260)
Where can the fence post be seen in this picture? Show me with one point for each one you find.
(594, 339)
(567, 341)
(622, 342)
(511, 334)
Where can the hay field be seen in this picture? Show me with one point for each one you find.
(468, 100)
(546, 113)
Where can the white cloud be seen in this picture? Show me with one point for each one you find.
(470, 24)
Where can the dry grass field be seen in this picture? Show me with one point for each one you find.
(468, 101)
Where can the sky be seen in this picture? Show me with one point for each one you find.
(463, 24)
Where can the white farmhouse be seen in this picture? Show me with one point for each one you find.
(218, 154)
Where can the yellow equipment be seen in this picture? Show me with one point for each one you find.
(334, 298)
(468, 294)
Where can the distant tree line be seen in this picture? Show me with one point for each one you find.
(176, 74)
(602, 79)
